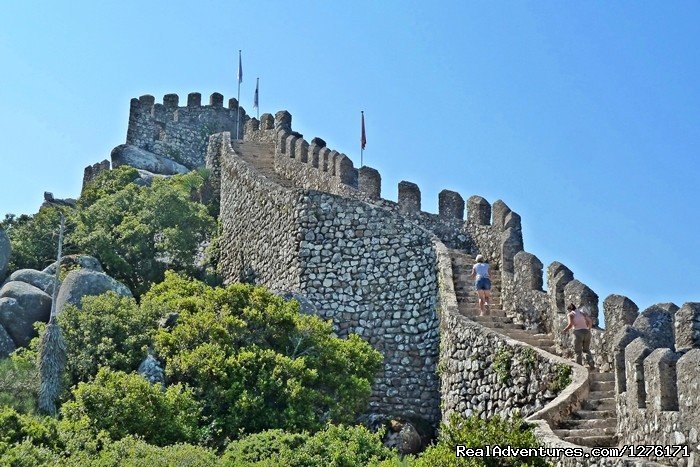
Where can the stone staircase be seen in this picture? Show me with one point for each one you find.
(262, 157)
(595, 423)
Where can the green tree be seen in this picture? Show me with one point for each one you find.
(335, 445)
(256, 362)
(110, 330)
(19, 382)
(139, 232)
(132, 452)
(474, 432)
(122, 404)
(34, 238)
(107, 183)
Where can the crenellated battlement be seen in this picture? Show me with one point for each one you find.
(313, 165)
(180, 133)
(657, 359)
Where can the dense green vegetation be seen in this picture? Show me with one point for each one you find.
(249, 380)
(137, 233)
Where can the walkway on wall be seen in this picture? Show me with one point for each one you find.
(595, 423)
(262, 157)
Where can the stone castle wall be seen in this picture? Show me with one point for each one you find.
(373, 274)
(372, 266)
(657, 366)
(368, 270)
(259, 219)
(181, 133)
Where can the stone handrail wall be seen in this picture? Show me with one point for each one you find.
(486, 373)
(181, 133)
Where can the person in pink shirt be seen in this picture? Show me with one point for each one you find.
(582, 324)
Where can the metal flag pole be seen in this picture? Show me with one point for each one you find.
(240, 78)
(257, 97)
(363, 139)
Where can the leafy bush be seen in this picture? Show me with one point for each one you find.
(333, 446)
(256, 362)
(16, 427)
(562, 377)
(110, 330)
(131, 452)
(474, 432)
(27, 454)
(502, 363)
(19, 382)
(139, 232)
(34, 238)
(107, 183)
(123, 404)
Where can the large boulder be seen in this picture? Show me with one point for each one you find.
(84, 282)
(16, 322)
(146, 178)
(35, 302)
(75, 262)
(7, 345)
(305, 305)
(38, 279)
(126, 154)
(5, 251)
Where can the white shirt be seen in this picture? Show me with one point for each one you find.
(481, 270)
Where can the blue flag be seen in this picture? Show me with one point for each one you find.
(255, 98)
(240, 68)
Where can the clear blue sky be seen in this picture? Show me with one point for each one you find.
(582, 116)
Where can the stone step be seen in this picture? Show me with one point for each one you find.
(589, 424)
(604, 404)
(596, 376)
(587, 414)
(491, 318)
(585, 432)
(504, 326)
(537, 342)
(593, 441)
(603, 386)
(474, 310)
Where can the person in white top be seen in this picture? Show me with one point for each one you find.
(482, 283)
(582, 324)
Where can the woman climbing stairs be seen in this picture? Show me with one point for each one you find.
(595, 423)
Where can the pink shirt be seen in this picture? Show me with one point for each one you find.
(579, 320)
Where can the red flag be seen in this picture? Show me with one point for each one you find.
(363, 141)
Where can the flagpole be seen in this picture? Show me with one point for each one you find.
(257, 96)
(238, 115)
(362, 140)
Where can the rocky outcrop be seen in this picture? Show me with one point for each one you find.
(146, 178)
(152, 370)
(38, 279)
(35, 302)
(7, 345)
(138, 158)
(5, 251)
(85, 282)
(74, 262)
(15, 322)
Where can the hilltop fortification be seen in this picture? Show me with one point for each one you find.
(299, 217)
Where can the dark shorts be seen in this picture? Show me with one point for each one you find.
(483, 283)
